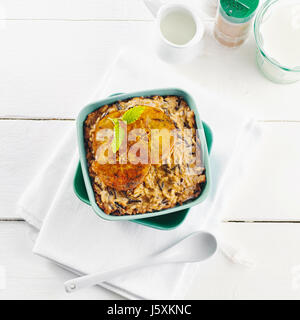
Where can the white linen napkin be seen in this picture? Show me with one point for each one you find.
(75, 238)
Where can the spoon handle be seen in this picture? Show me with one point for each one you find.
(96, 278)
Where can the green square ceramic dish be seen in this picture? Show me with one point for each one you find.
(164, 219)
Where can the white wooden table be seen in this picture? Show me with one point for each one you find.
(52, 55)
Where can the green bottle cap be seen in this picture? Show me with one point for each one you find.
(238, 11)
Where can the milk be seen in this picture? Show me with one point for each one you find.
(178, 27)
(280, 33)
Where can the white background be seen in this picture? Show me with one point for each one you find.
(53, 53)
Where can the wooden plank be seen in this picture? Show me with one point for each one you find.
(51, 69)
(75, 9)
(84, 9)
(269, 192)
(25, 145)
(274, 249)
(234, 75)
(32, 277)
(90, 9)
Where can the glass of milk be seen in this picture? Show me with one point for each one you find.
(179, 31)
(277, 34)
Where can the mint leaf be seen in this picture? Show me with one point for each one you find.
(129, 117)
(133, 114)
(114, 120)
(119, 135)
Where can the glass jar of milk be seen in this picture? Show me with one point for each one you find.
(277, 34)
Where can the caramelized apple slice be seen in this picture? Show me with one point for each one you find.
(137, 150)
(161, 140)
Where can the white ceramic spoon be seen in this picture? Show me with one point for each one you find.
(196, 247)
